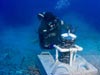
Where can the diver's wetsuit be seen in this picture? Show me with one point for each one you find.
(48, 36)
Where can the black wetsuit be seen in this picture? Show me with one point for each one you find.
(48, 36)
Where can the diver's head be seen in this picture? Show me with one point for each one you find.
(49, 16)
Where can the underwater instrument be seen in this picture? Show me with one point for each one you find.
(65, 61)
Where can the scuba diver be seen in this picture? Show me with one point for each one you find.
(49, 30)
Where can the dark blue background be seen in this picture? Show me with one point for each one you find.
(23, 11)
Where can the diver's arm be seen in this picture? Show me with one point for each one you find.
(65, 27)
(68, 27)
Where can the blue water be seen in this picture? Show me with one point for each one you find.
(19, 24)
